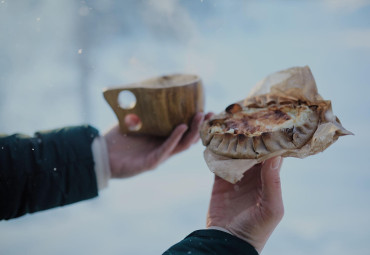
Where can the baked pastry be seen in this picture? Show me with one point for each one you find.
(252, 132)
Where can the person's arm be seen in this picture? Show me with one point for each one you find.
(67, 165)
(52, 168)
(241, 216)
(251, 208)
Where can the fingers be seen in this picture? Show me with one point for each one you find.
(208, 116)
(167, 148)
(193, 135)
(133, 122)
(271, 186)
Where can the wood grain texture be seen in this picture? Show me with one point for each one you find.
(162, 103)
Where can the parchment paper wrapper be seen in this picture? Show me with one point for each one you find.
(294, 84)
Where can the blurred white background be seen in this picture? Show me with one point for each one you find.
(57, 56)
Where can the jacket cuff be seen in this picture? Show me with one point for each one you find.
(101, 159)
(212, 241)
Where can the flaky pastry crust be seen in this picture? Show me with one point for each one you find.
(253, 132)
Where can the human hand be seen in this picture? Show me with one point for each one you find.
(251, 208)
(130, 155)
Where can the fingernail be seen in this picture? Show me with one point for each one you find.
(276, 163)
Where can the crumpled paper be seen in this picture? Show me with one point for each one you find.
(293, 84)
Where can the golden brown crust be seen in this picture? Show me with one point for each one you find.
(252, 135)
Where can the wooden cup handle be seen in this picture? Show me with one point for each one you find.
(112, 97)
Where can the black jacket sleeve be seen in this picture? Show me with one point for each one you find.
(51, 169)
(211, 242)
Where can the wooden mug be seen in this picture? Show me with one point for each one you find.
(162, 103)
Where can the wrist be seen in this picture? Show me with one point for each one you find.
(220, 229)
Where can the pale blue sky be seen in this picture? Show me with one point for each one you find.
(231, 46)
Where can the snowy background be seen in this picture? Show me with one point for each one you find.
(57, 56)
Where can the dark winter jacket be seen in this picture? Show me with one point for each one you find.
(56, 168)
(51, 169)
(211, 242)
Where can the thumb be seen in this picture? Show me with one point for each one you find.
(271, 186)
(164, 151)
